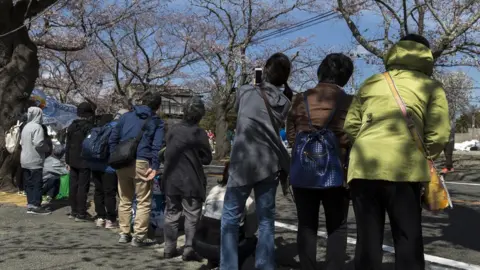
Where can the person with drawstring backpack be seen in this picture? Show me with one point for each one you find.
(319, 154)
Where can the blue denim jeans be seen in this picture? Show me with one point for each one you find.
(33, 187)
(233, 207)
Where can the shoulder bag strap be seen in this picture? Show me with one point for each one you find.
(144, 127)
(269, 110)
(411, 126)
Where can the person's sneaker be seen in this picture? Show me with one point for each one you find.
(47, 200)
(111, 224)
(136, 242)
(81, 218)
(100, 222)
(22, 193)
(72, 216)
(191, 256)
(124, 238)
(38, 211)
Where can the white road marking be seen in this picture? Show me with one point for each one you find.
(461, 183)
(389, 249)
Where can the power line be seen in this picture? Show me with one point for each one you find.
(298, 26)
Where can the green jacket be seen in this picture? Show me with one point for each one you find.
(383, 147)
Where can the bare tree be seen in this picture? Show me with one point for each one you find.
(452, 27)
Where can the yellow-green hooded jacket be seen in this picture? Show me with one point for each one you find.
(383, 147)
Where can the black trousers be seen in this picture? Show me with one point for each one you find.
(79, 187)
(105, 197)
(335, 204)
(51, 187)
(401, 200)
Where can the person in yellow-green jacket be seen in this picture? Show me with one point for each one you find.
(386, 168)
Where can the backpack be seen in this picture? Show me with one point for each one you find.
(12, 138)
(95, 146)
(316, 161)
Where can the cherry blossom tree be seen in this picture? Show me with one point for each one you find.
(60, 25)
(229, 39)
(452, 27)
(459, 91)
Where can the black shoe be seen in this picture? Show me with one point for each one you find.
(171, 255)
(38, 211)
(192, 256)
(81, 218)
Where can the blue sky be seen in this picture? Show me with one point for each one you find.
(335, 34)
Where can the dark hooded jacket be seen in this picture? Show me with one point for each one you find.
(130, 125)
(76, 133)
(187, 151)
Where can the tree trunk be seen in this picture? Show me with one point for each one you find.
(19, 67)
(222, 148)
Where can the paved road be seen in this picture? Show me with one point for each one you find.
(55, 242)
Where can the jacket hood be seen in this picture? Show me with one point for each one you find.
(142, 111)
(410, 55)
(35, 115)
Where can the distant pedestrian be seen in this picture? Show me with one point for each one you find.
(32, 157)
(80, 173)
(258, 158)
(184, 182)
(387, 169)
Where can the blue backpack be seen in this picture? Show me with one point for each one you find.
(95, 146)
(316, 161)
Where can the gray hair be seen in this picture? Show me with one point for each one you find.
(194, 110)
(58, 151)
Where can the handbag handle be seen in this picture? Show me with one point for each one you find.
(411, 125)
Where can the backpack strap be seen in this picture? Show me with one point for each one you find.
(307, 108)
(330, 116)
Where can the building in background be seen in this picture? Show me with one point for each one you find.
(174, 98)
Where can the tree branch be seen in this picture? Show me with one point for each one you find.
(60, 47)
(356, 33)
(32, 8)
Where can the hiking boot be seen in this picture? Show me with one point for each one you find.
(124, 238)
(38, 211)
(111, 224)
(136, 242)
(80, 218)
(191, 256)
(100, 222)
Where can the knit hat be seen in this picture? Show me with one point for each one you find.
(120, 113)
(85, 110)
